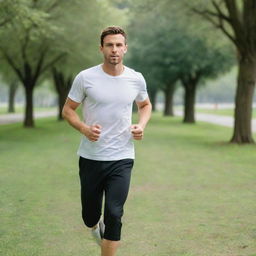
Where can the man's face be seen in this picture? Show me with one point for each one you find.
(113, 48)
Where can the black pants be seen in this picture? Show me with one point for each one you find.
(111, 178)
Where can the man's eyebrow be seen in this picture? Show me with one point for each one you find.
(118, 43)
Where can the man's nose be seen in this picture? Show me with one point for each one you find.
(114, 49)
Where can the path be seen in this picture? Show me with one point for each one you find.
(217, 119)
(209, 118)
(18, 117)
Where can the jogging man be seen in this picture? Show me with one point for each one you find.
(106, 152)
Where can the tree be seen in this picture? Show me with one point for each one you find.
(12, 91)
(9, 78)
(193, 52)
(199, 61)
(138, 61)
(9, 9)
(47, 36)
(176, 48)
(79, 46)
(26, 47)
(150, 53)
(237, 20)
(62, 85)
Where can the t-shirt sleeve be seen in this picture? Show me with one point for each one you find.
(143, 94)
(77, 91)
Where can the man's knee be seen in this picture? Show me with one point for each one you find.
(113, 215)
(90, 220)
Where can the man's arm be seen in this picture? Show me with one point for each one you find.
(69, 113)
(144, 110)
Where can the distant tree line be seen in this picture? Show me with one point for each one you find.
(192, 41)
(173, 43)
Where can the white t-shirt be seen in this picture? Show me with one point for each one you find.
(107, 101)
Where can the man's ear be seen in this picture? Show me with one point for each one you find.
(125, 51)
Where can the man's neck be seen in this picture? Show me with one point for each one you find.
(113, 70)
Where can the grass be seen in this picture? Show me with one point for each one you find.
(192, 194)
(18, 109)
(223, 112)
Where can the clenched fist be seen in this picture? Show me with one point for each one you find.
(91, 132)
(137, 131)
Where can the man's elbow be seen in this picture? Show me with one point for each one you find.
(150, 106)
(147, 105)
(64, 112)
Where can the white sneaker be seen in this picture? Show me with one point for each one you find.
(98, 232)
(102, 228)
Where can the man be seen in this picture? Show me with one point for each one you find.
(106, 152)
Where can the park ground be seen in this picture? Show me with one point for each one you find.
(192, 193)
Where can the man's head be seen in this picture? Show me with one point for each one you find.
(115, 30)
(113, 44)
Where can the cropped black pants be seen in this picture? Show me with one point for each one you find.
(108, 178)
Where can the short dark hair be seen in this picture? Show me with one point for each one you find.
(112, 31)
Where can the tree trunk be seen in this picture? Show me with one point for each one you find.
(168, 105)
(12, 92)
(189, 100)
(152, 96)
(62, 87)
(61, 101)
(29, 119)
(243, 101)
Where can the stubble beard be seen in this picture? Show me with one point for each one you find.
(114, 62)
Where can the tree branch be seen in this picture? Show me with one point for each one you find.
(53, 6)
(197, 76)
(12, 64)
(39, 65)
(25, 44)
(52, 62)
(235, 19)
(249, 10)
(219, 13)
(208, 15)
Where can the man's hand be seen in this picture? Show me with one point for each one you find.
(91, 132)
(137, 131)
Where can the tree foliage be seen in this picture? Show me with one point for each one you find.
(174, 47)
(56, 34)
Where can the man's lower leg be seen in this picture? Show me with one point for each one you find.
(108, 247)
(98, 231)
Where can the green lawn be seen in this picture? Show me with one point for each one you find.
(223, 112)
(18, 109)
(192, 194)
